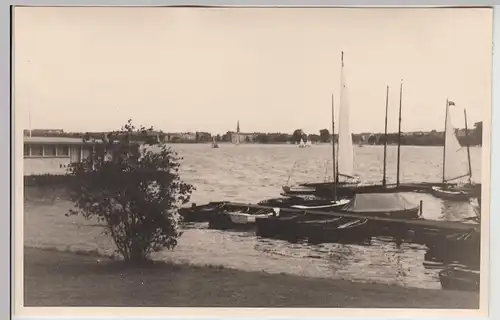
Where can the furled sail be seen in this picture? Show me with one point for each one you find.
(345, 147)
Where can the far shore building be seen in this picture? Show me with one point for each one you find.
(181, 136)
(240, 137)
(243, 137)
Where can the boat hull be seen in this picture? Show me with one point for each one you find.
(319, 205)
(334, 231)
(411, 213)
(459, 279)
(236, 219)
(462, 247)
(281, 227)
(451, 194)
(201, 213)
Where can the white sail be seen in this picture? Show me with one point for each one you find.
(238, 132)
(455, 157)
(345, 152)
(301, 144)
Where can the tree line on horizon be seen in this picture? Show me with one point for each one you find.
(431, 138)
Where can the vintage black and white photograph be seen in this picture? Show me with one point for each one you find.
(252, 157)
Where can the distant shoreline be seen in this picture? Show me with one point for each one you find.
(314, 144)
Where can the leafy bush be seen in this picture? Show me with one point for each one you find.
(133, 187)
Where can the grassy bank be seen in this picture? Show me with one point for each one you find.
(54, 278)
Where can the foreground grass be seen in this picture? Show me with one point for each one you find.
(53, 278)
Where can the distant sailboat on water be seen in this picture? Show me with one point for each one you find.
(302, 144)
(308, 144)
(238, 132)
(214, 143)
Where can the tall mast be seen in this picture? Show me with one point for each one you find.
(467, 142)
(399, 131)
(444, 146)
(385, 136)
(29, 122)
(334, 186)
(341, 91)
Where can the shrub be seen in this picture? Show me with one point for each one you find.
(133, 187)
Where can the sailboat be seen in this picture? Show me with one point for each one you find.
(335, 202)
(454, 168)
(345, 150)
(214, 143)
(361, 142)
(238, 133)
(302, 144)
(308, 144)
(345, 146)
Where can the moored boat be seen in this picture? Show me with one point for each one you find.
(450, 193)
(305, 202)
(454, 278)
(200, 213)
(299, 190)
(392, 205)
(464, 247)
(325, 205)
(228, 218)
(281, 227)
(343, 158)
(340, 230)
(454, 167)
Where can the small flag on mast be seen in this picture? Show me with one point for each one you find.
(451, 103)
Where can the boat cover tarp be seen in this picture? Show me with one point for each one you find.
(379, 202)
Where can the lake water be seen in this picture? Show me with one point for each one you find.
(250, 173)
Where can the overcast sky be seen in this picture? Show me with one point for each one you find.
(273, 69)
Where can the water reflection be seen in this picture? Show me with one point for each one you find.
(456, 211)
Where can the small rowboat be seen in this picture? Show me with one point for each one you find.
(304, 202)
(201, 213)
(298, 190)
(246, 218)
(454, 278)
(343, 230)
(451, 194)
(229, 218)
(328, 206)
